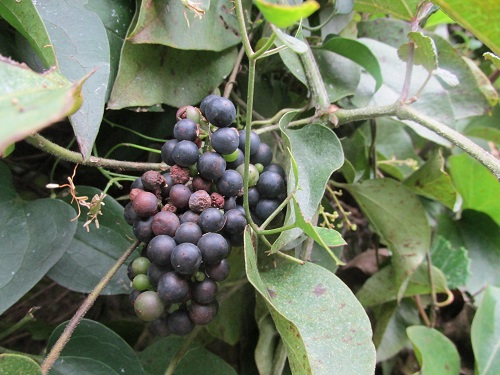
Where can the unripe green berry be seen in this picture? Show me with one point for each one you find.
(140, 265)
(148, 306)
(232, 156)
(141, 283)
(253, 174)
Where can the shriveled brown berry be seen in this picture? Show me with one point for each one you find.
(200, 183)
(152, 180)
(145, 204)
(217, 200)
(179, 175)
(199, 201)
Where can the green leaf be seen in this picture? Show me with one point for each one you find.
(156, 358)
(381, 286)
(454, 263)
(97, 342)
(23, 16)
(435, 353)
(480, 235)
(477, 186)
(91, 254)
(404, 9)
(399, 219)
(286, 15)
(268, 339)
(431, 181)
(34, 236)
(18, 364)
(477, 16)
(82, 48)
(189, 25)
(424, 52)
(79, 366)
(485, 333)
(357, 52)
(493, 58)
(30, 101)
(150, 74)
(116, 16)
(315, 167)
(339, 342)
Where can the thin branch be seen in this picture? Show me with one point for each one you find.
(83, 309)
(50, 147)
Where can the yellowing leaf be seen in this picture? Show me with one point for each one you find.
(286, 15)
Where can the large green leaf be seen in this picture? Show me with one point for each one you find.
(23, 16)
(478, 16)
(485, 333)
(80, 366)
(18, 364)
(296, 295)
(399, 219)
(357, 52)
(156, 358)
(150, 74)
(431, 181)
(34, 236)
(435, 352)
(82, 48)
(196, 25)
(477, 186)
(92, 253)
(480, 235)
(97, 342)
(485, 127)
(404, 9)
(116, 16)
(30, 101)
(380, 287)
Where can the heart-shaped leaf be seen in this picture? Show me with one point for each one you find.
(34, 236)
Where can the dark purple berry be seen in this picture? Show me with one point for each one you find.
(214, 248)
(205, 101)
(203, 314)
(254, 141)
(179, 322)
(218, 271)
(220, 112)
(266, 207)
(145, 203)
(186, 130)
(167, 150)
(235, 222)
(165, 222)
(205, 291)
(264, 155)
(188, 232)
(186, 258)
(185, 153)
(225, 140)
(276, 168)
(211, 165)
(172, 288)
(189, 216)
(230, 184)
(211, 220)
(142, 229)
(270, 184)
(179, 196)
(129, 214)
(159, 250)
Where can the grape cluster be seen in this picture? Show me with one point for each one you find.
(191, 216)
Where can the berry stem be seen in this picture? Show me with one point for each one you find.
(82, 310)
